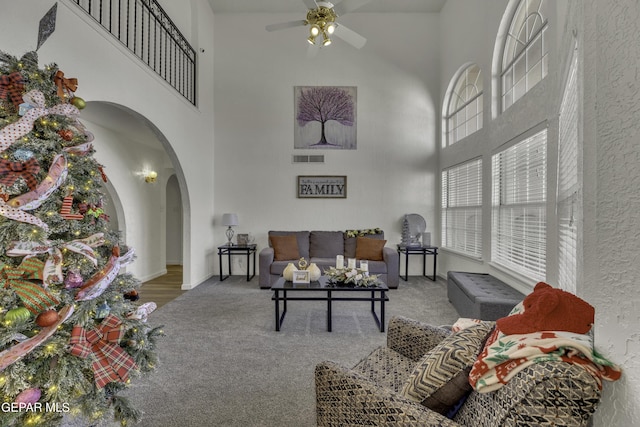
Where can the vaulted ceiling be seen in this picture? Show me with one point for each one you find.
(284, 6)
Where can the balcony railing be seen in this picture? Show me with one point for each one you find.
(146, 30)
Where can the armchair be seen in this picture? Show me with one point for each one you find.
(548, 393)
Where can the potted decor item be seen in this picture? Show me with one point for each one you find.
(314, 272)
(288, 272)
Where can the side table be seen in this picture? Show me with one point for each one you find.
(229, 250)
(418, 250)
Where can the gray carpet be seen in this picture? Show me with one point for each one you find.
(223, 363)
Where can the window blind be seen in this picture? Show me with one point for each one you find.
(462, 208)
(518, 207)
(568, 187)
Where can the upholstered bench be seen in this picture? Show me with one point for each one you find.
(481, 296)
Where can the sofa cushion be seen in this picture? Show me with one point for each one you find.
(302, 238)
(284, 247)
(370, 249)
(440, 379)
(351, 236)
(326, 244)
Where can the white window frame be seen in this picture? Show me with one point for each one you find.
(464, 109)
(519, 178)
(462, 208)
(525, 55)
(569, 188)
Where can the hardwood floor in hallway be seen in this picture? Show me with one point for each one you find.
(163, 289)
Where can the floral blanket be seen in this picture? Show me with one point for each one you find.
(505, 355)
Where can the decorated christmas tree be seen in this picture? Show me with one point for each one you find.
(71, 335)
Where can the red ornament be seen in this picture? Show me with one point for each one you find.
(66, 134)
(132, 295)
(47, 318)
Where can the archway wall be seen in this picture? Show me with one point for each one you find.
(108, 72)
(141, 220)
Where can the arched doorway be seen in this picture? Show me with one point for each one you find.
(129, 146)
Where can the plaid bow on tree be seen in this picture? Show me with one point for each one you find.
(110, 361)
(11, 171)
(13, 86)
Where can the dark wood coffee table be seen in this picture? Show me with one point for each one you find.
(321, 290)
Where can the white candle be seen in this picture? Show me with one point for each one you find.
(364, 265)
(352, 263)
(339, 261)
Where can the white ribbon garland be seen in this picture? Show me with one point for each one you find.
(52, 271)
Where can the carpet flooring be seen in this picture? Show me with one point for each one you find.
(223, 363)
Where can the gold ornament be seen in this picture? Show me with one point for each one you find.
(78, 102)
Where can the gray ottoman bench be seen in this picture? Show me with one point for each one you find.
(480, 296)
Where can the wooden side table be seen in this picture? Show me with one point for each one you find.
(418, 250)
(229, 250)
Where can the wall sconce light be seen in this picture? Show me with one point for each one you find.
(230, 220)
(150, 177)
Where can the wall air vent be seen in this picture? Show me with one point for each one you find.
(315, 158)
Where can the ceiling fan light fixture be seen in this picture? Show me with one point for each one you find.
(326, 41)
(311, 40)
(314, 30)
(331, 28)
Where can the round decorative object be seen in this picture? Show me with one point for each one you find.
(132, 296)
(302, 264)
(288, 272)
(103, 310)
(73, 280)
(29, 396)
(83, 208)
(314, 272)
(18, 314)
(66, 134)
(47, 318)
(78, 102)
(22, 155)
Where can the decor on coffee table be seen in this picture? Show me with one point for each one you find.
(351, 277)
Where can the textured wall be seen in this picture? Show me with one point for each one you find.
(612, 196)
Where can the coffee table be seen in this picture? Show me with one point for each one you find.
(321, 290)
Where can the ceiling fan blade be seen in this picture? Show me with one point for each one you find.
(346, 6)
(350, 36)
(311, 4)
(285, 25)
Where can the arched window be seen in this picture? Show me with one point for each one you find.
(463, 114)
(525, 57)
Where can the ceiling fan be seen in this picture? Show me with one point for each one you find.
(321, 19)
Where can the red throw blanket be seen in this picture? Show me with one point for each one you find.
(505, 355)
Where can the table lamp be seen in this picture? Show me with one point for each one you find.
(230, 220)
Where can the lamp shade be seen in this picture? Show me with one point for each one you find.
(230, 219)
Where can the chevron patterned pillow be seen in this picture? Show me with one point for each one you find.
(440, 379)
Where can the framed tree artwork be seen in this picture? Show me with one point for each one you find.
(325, 117)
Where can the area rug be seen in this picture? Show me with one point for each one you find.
(223, 363)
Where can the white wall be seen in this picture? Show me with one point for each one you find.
(142, 203)
(107, 72)
(394, 169)
(174, 222)
(611, 265)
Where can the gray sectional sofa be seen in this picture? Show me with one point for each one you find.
(322, 247)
